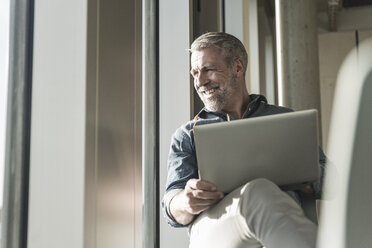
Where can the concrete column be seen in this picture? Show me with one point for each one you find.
(297, 54)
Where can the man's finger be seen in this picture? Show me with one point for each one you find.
(206, 195)
(199, 184)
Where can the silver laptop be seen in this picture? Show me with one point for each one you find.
(282, 148)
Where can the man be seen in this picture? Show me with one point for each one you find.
(254, 215)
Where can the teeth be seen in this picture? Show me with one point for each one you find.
(210, 91)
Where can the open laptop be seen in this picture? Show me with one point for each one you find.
(282, 148)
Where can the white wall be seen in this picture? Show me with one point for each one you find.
(253, 49)
(56, 196)
(333, 48)
(174, 95)
(234, 18)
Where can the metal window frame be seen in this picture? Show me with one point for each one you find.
(17, 147)
(150, 123)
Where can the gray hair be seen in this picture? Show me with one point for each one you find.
(231, 47)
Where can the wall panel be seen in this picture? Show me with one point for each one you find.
(86, 176)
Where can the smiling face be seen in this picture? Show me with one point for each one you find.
(214, 80)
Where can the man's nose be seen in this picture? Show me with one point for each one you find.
(200, 80)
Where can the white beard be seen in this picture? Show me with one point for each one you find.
(217, 102)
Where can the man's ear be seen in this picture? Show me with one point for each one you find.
(239, 67)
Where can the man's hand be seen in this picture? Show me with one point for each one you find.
(307, 189)
(197, 196)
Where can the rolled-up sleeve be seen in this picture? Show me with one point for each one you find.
(167, 198)
(181, 167)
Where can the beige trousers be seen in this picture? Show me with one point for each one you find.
(255, 215)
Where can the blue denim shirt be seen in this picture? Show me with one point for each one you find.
(182, 164)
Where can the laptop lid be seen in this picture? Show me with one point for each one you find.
(282, 148)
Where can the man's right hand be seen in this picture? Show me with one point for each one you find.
(197, 196)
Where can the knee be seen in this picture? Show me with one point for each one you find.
(259, 190)
(259, 186)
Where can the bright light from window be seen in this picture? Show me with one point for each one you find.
(279, 53)
(4, 54)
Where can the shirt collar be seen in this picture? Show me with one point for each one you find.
(255, 101)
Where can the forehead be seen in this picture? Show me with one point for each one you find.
(206, 57)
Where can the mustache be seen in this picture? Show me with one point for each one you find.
(208, 86)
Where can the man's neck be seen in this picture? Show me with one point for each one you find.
(239, 107)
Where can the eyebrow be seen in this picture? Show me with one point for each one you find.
(203, 67)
